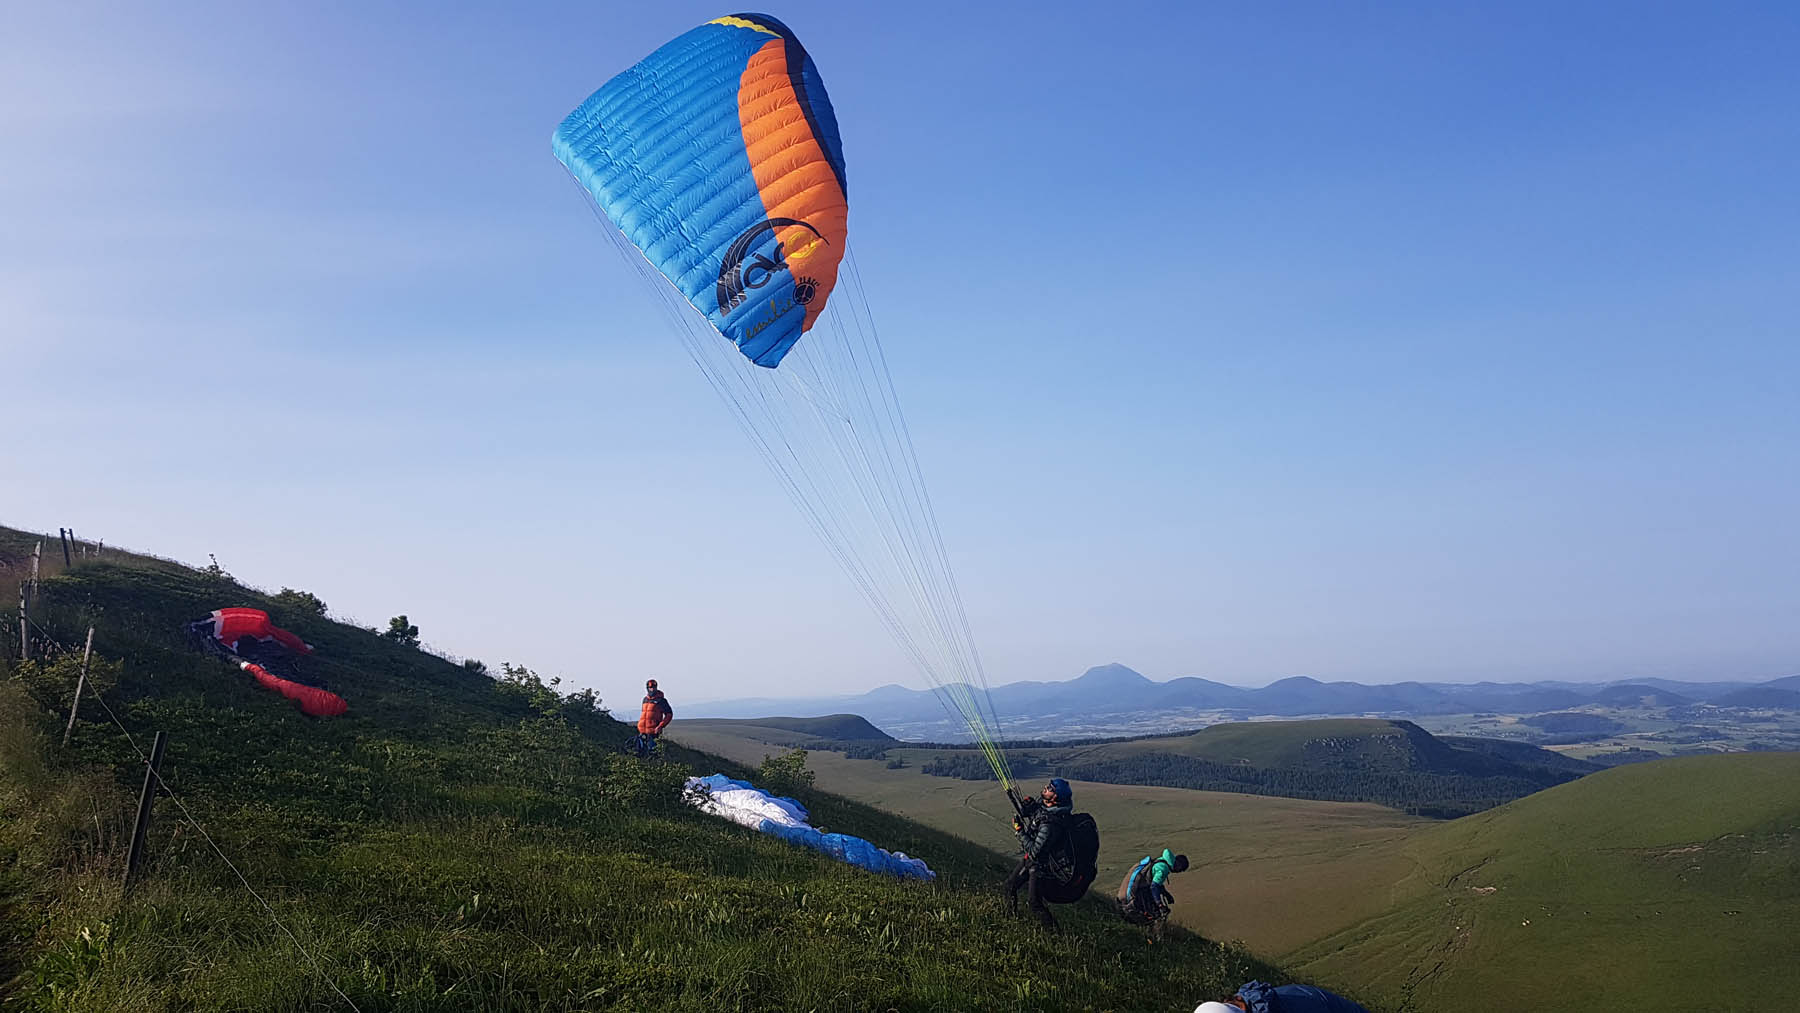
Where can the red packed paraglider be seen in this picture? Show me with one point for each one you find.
(243, 635)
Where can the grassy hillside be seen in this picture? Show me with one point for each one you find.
(461, 843)
(1347, 743)
(1279, 743)
(1656, 886)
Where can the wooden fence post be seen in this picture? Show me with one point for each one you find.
(146, 799)
(81, 682)
(63, 533)
(24, 634)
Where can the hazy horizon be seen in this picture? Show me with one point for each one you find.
(1237, 685)
(1399, 344)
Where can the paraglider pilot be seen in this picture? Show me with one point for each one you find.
(1049, 871)
(652, 719)
(1143, 897)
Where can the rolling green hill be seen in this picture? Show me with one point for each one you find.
(458, 842)
(1672, 885)
(1284, 743)
(1348, 744)
(830, 728)
(1394, 763)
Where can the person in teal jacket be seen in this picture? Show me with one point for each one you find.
(1144, 898)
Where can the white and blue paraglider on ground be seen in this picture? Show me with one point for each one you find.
(744, 803)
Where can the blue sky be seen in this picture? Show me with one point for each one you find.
(1412, 341)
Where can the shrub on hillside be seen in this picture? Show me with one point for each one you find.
(629, 783)
(520, 683)
(544, 751)
(51, 682)
(785, 774)
(302, 602)
(585, 702)
(402, 632)
(215, 574)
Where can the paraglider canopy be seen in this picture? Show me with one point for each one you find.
(718, 156)
(743, 803)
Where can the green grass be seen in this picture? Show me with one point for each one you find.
(1656, 886)
(454, 843)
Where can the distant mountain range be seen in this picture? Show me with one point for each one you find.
(1116, 690)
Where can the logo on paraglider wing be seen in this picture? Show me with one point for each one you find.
(805, 290)
(739, 270)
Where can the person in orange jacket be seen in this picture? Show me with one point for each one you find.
(652, 719)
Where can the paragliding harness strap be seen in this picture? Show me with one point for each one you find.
(641, 745)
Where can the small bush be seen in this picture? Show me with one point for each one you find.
(785, 774)
(216, 574)
(51, 683)
(521, 683)
(402, 632)
(628, 783)
(585, 702)
(301, 602)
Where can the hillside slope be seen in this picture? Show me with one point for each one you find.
(1664, 886)
(461, 843)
